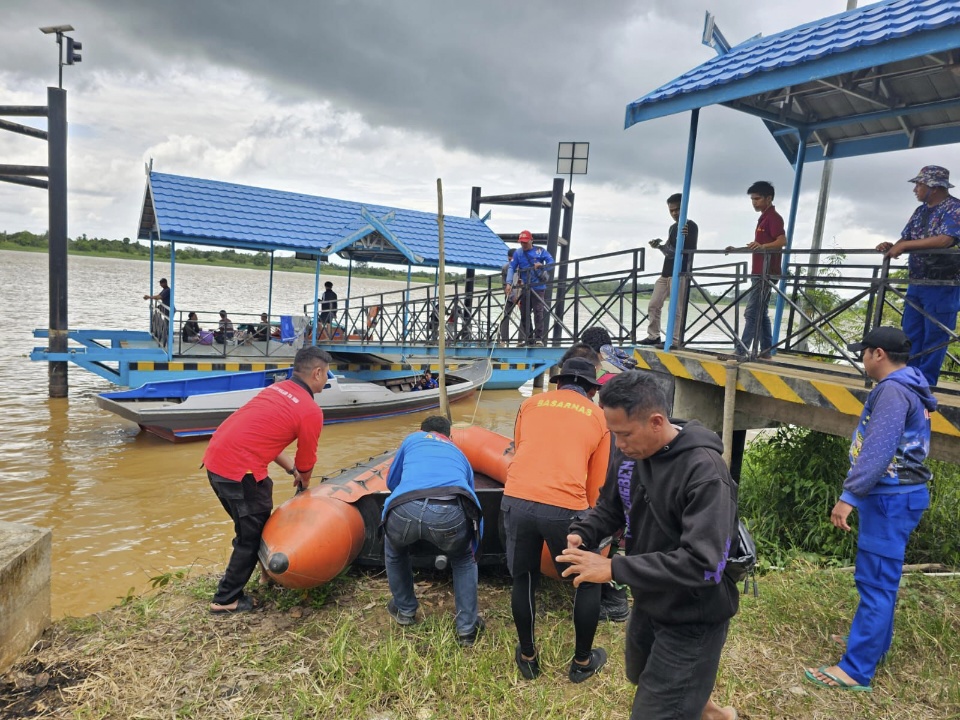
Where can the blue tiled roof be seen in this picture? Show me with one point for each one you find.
(198, 211)
(833, 37)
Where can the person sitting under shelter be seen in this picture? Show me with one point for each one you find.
(225, 330)
(190, 330)
(262, 330)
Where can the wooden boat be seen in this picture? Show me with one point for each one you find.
(186, 409)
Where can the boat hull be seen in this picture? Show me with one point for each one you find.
(175, 412)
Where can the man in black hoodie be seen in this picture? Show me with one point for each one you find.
(668, 487)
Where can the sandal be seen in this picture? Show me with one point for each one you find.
(245, 603)
(835, 682)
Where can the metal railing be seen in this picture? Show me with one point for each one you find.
(823, 306)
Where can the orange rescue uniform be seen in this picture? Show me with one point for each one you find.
(562, 450)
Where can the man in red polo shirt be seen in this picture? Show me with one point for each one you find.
(242, 448)
(765, 265)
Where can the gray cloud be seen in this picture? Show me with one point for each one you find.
(499, 78)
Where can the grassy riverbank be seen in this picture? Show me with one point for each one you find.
(334, 653)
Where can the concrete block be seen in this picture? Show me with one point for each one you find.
(24, 588)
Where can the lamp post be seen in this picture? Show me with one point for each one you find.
(572, 159)
(73, 47)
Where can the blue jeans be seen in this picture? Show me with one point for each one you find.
(758, 297)
(443, 524)
(673, 666)
(938, 303)
(886, 522)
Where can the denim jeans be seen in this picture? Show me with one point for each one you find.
(673, 666)
(758, 297)
(443, 524)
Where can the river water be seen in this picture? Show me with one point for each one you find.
(124, 506)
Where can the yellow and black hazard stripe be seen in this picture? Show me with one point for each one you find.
(844, 393)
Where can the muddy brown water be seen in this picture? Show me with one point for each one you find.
(124, 506)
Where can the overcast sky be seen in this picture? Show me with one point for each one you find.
(373, 101)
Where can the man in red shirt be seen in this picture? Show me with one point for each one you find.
(242, 448)
(765, 265)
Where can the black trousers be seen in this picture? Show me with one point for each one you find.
(249, 503)
(528, 526)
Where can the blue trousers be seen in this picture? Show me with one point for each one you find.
(940, 303)
(886, 522)
(444, 524)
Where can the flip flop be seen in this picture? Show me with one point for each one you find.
(244, 604)
(840, 640)
(840, 684)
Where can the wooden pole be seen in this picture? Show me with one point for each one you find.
(441, 300)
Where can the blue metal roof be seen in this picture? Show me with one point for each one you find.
(849, 79)
(207, 212)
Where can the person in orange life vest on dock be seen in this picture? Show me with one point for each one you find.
(240, 451)
(529, 265)
(562, 448)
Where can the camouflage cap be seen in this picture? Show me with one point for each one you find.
(933, 176)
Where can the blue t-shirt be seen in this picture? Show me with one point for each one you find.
(926, 221)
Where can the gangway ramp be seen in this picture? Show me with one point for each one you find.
(785, 390)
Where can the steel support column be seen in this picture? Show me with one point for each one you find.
(681, 221)
(57, 257)
(791, 225)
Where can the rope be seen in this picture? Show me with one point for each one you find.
(493, 347)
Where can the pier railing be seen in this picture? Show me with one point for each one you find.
(824, 301)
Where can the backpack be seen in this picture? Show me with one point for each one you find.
(741, 558)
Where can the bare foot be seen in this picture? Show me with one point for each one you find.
(712, 711)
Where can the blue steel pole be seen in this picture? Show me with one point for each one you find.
(173, 291)
(316, 296)
(681, 221)
(791, 225)
(270, 298)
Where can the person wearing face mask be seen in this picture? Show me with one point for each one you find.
(933, 296)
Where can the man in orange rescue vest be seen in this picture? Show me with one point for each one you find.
(562, 449)
(237, 459)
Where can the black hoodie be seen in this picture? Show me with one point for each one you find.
(681, 519)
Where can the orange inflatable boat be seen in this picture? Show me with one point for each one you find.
(313, 536)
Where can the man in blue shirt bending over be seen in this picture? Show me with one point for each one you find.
(529, 264)
(432, 498)
(887, 484)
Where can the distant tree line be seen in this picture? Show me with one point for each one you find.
(136, 250)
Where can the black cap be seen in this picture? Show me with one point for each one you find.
(886, 338)
(577, 368)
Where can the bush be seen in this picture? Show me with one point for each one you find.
(792, 479)
(789, 483)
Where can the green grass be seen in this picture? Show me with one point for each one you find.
(335, 653)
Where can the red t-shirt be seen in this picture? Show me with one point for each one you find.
(258, 432)
(769, 228)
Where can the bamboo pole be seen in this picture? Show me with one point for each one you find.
(441, 288)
